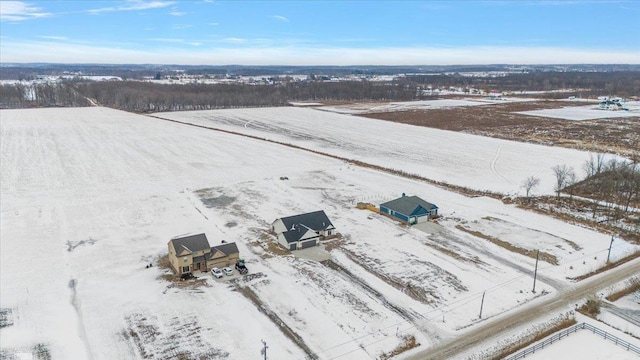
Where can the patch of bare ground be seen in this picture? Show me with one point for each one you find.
(632, 286)
(6, 317)
(286, 330)
(613, 135)
(175, 280)
(549, 258)
(521, 343)
(408, 343)
(591, 307)
(267, 242)
(336, 242)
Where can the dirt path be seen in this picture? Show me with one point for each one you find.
(502, 325)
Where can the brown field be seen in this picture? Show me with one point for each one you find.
(616, 135)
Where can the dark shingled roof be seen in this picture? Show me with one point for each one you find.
(298, 225)
(315, 221)
(295, 235)
(227, 248)
(192, 243)
(407, 204)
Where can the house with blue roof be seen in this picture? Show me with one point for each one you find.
(410, 209)
(302, 231)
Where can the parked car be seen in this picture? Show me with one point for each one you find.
(227, 271)
(216, 272)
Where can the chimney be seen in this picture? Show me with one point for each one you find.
(403, 195)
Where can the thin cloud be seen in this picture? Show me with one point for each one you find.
(175, 12)
(213, 24)
(234, 40)
(20, 11)
(65, 52)
(135, 5)
(167, 40)
(181, 26)
(53, 37)
(280, 18)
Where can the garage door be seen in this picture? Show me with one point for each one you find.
(308, 244)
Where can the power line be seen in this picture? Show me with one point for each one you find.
(458, 303)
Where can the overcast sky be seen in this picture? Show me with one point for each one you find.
(212, 32)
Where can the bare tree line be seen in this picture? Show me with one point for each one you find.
(138, 96)
(16, 96)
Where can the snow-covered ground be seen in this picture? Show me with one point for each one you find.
(368, 108)
(90, 196)
(584, 344)
(456, 158)
(580, 113)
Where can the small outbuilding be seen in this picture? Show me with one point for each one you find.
(410, 209)
(302, 231)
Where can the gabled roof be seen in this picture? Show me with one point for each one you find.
(316, 221)
(191, 243)
(407, 204)
(297, 233)
(226, 248)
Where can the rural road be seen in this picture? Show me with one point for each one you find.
(502, 325)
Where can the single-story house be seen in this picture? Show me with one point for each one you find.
(302, 231)
(190, 253)
(410, 209)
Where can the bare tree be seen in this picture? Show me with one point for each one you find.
(594, 165)
(530, 184)
(563, 175)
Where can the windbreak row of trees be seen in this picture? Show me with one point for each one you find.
(17, 96)
(139, 96)
(619, 83)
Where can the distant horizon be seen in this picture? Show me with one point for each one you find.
(320, 33)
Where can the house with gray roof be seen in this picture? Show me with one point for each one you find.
(410, 209)
(192, 253)
(303, 230)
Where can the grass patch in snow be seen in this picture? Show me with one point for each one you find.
(591, 308)
(632, 286)
(408, 343)
(551, 259)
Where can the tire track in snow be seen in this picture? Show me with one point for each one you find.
(493, 165)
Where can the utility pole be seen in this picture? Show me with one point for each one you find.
(481, 304)
(535, 273)
(264, 349)
(610, 245)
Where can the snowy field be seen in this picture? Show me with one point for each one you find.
(586, 345)
(90, 196)
(369, 108)
(581, 113)
(471, 161)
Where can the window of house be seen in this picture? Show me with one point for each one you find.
(185, 269)
(184, 259)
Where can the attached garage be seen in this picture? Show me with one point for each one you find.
(302, 231)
